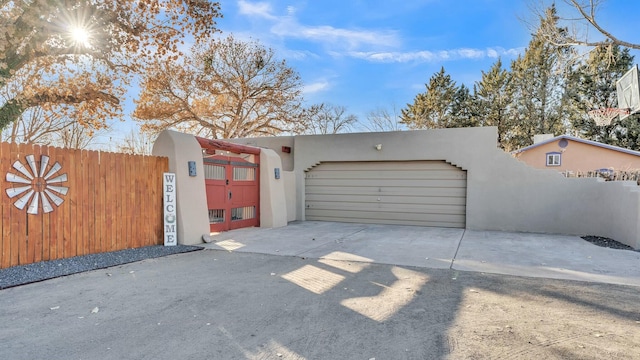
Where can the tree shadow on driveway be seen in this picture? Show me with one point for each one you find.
(225, 305)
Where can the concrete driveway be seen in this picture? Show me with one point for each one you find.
(348, 292)
(520, 254)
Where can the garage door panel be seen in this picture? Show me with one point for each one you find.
(393, 222)
(448, 174)
(382, 216)
(388, 207)
(373, 199)
(388, 166)
(416, 183)
(389, 190)
(427, 193)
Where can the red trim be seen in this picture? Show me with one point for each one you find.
(227, 146)
(219, 192)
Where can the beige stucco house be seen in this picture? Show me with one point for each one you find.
(572, 154)
(443, 177)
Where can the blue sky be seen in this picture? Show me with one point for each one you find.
(366, 54)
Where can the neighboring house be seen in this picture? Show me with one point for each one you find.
(572, 154)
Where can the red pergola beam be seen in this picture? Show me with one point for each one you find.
(227, 146)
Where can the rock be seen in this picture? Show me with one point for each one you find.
(95, 310)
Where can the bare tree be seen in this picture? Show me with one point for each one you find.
(226, 89)
(33, 127)
(381, 119)
(37, 126)
(78, 56)
(327, 119)
(77, 136)
(137, 142)
(582, 26)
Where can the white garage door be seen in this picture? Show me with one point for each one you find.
(425, 193)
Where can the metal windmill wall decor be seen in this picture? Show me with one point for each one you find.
(40, 185)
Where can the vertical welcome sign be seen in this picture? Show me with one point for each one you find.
(169, 196)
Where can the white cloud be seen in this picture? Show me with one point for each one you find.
(259, 9)
(433, 56)
(498, 51)
(471, 53)
(297, 54)
(316, 87)
(387, 57)
(492, 53)
(287, 26)
(335, 36)
(366, 44)
(514, 52)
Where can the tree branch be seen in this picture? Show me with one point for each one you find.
(591, 19)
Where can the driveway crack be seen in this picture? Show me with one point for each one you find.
(457, 249)
(339, 240)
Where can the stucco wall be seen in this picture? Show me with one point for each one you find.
(577, 156)
(289, 178)
(502, 192)
(193, 220)
(275, 144)
(273, 206)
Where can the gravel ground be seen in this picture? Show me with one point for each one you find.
(606, 242)
(25, 274)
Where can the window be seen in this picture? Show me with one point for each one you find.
(244, 174)
(243, 213)
(216, 216)
(553, 159)
(214, 172)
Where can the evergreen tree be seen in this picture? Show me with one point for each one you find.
(592, 85)
(494, 97)
(463, 109)
(538, 89)
(433, 108)
(627, 134)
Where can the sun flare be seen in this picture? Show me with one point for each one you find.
(80, 36)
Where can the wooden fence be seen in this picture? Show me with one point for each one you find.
(90, 202)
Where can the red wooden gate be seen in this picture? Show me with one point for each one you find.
(232, 174)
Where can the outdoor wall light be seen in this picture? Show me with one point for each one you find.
(378, 147)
